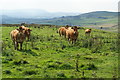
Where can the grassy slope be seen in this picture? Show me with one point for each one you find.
(97, 18)
(49, 56)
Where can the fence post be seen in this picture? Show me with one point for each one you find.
(77, 62)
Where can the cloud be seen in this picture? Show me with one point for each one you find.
(62, 5)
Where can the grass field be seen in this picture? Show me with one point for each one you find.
(47, 55)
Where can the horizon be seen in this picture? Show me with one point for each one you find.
(68, 6)
(56, 11)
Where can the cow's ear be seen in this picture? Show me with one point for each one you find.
(29, 29)
(18, 29)
(72, 27)
(75, 27)
(66, 27)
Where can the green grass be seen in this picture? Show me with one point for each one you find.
(47, 55)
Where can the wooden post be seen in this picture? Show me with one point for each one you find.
(77, 63)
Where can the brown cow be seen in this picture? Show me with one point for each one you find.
(26, 32)
(62, 30)
(18, 36)
(88, 31)
(72, 34)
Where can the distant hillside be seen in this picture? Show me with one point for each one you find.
(92, 18)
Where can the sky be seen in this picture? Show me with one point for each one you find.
(82, 6)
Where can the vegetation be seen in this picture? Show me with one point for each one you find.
(47, 55)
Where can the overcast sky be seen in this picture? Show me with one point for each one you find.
(82, 6)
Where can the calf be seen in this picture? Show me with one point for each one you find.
(72, 34)
(88, 31)
(17, 36)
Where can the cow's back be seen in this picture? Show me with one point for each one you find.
(87, 31)
(62, 30)
(17, 36)
(69, 32)
(13, 34)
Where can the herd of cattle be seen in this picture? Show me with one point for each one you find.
(19, 35)
(71, 33)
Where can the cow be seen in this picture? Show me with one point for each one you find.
(72, 34)
(62, 30)
(87, 32)
(17, 37)
(26, 32)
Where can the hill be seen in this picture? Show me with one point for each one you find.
(106, 20)
(97, 19)
(92, 18)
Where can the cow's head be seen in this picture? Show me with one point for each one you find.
(90, 29)
(75, 28)
(67, 26)
(27, 31)
(20, 29)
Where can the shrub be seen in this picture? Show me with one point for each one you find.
(88, 67)
(66, 66)
(63, 46)
(35, 48)
(6, 60)
(19, 69)
(53, 66)
(19, 62)
(91, 67)
(61, 75)
(7, 72)
(30, 72)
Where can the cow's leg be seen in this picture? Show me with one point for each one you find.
(21, 45)
(68, 37)
(75, 40)
(17, 45)
(69, 40)
(28, 38)
(13, 42)
(86, 34)
(89, 34)
(60, 33)
(14, 45)
(65, 35)
(72, 41)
